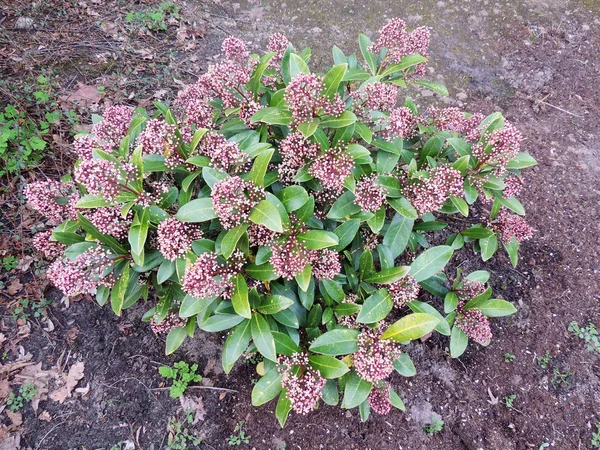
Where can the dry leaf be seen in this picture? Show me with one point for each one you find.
(9, 441)
(14, 287)
(49, 326)
(24, 263)
(222, 395)
(15, 417)
(75, 374)
(84, 96)
(195, 403)
(5, 390)
(45, 416)
(493, 400)
(34, 374)
(83, 390)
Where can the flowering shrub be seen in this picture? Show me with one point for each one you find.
(308, 214)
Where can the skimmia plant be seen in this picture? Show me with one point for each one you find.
(308, 214)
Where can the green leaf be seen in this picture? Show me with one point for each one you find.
(328, 366)
(376, 307)
(117, 295)
(316, 239)
(198, 210)
(309, 128)
(231, 238)
(174, 339)
(297, 66)
(364, 132)
(364, 43)
(220, 322)
(89, 228)
(165, 270)
(254, 83)
(404, 366)
(340, 341)
(264, 272)
(430, 262)
(512, 248)
(138, 234)
(343, 207)
(333, 78)
(239, 297)
(345, 119)
(267, 388)
(521, 161)
(403, 206)
(396, 401)
(92, 201)
(387, 276)
(497, 308)
(259, 167)
(272, 304)
(236, 343)
(488, 247)
(479, 300)
(283, 408)
(438, 88)
(346, 233)
(450, 302)
(421, 307)
(293, 197)
(410, 327)
(397, 236)
(461, 205)
(266, 213)
(276, 115)
(194, 305)
(513, 204)
(262, 337)
(458, 342)
(356, 391)
(405, 63)
(303, 278)
(284, 345)
(477, 233)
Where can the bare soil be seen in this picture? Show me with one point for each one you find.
(538, 63)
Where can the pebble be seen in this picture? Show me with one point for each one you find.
(24, 23)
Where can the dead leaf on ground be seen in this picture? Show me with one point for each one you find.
(45, 416)
(9, 441)
(14, 286)
(493, 400)
(84, 96)
(24, 263)
(40, 378)
(83, 390)
(5, 390)
(15, 417)
(70, 381)
(195, 403)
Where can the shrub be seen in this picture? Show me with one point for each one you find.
(304, 213)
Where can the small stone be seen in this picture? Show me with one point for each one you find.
(24, 23)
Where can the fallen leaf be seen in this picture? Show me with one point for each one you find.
(15, 417)
(493, 400)
(70, 381)
(83, 390)
(222, 395)
(5, 390)
(45, 416)
(24, 263)
(195, 403)
(84, 96)
(49, 326)
(14, 286)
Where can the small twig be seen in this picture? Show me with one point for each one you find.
(560, 109)
(39, 444)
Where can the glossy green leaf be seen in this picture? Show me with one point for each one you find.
(267, 388)
(410, 327)
(262, 337)
(430, 262)
(340, 341)
(239, 297)
(174, 339)
(198, 210)
(236, 343)
(397, 236)
(404, 366)
(497, 308)
(387, 276)
(317, 239)
(356, 391)
(266, 213)
(376, 307)
(333, 78)
(272, 304)
(458, 342)
(328, 366)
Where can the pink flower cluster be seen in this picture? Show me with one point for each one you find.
(235, 49)
(167, 324)
(326, 264)
(225, 81)
(206, 278)
(374, 97)
(370, 195)
(278, 44)
(42, 242)
(233, 200)
(306, 99)
(295, 152)
(175, 238)
(158, 138)
(404, 290)
(84, 145)
(289, 257)
(224, 155)
(429, 194)
(43, 196)
(454, 120)
(104, 178)
(511, 225)
(114, 126)
(109, 221)
(399, 43)
(471, 289)
(502, 146)
(374, 360)
(332, 168)
(83, 275)
(247, 110)
(260, 236)
(302, 383)
(402, 123)
(475, 325)
(512, 186)
(379, 399)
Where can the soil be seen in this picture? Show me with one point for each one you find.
(539, 63)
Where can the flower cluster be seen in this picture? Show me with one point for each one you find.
(206, 278)
(332, 168)
(513, 185)
(84, 274)
(475, 325)
(430, 193)
(224, 155)
(278, 44)
(158, 138)
(302, 383)
(167, 324)
(289, 257)
(235, 49)
(379, 399)
(374, 360)
(306, 99)
(260, 236)
(43, 243)
(511, 225)
(113, 128)
(175, 238)
(402, 123)
(104, 178)
(370, 195)
(502, 145)
(233, 200)
(471, 289)
(295, 151)
(110, 221)
(84, 145)
(52, 199)
(404, 290)
(374, 97)
(398, 43)
(325, 264)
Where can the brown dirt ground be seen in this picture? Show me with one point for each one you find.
(556, 282)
